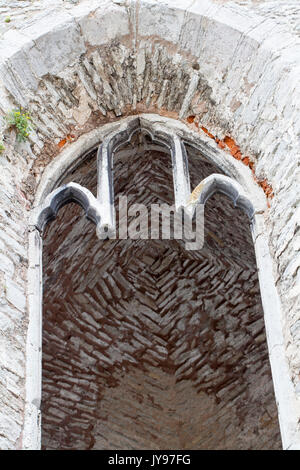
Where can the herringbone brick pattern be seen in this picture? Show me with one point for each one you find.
(145, 344)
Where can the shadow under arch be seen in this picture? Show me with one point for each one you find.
(34, 341)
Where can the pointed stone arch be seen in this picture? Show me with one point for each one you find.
(71, 192)
(239, 186)
(216, 183)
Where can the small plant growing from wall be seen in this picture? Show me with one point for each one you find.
(2, 148)
(21, 121)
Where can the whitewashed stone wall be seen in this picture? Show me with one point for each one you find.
(232, 66)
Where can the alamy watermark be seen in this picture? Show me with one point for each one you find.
(159, 222)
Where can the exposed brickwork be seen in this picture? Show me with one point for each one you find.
(74, 76)
(147, 345)
(230, 145)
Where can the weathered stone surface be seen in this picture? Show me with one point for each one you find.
(231, 66)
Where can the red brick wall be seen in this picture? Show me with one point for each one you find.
(145, 344)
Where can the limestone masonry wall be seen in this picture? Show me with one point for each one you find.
(227, 69)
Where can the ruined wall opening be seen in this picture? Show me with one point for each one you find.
(147, 345)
